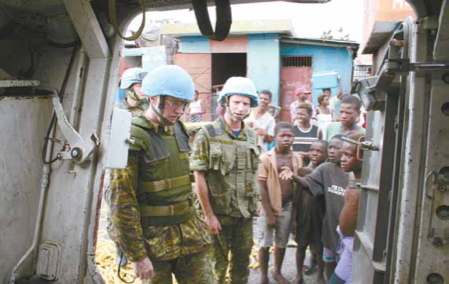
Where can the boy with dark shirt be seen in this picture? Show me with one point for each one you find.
(350, 163)
(329, 181)
(308, 212)
(305, 131)
(277, 196)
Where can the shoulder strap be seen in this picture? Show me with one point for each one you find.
(141, 138)
(182, 136)
(213, 129)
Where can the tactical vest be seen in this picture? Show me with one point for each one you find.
(231, 174)
(164, 186)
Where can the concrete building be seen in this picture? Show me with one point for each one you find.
(265, 51)
(382, 18)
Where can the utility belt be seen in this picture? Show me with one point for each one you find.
(166, 210)
(160, 185)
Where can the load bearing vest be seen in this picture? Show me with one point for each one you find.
(232, 168)
(164, 187)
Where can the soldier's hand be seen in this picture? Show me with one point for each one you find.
(144, 269)
(214, 224)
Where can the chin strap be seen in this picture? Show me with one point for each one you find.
(163, 120)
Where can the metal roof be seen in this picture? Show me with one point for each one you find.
(381, 32)
(319, 41)
(283, 27)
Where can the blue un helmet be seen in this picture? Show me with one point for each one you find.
(169, 80)
(132, 76)
(239, 86)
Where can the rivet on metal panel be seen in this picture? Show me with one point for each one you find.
(435, 278)
(443, 212)
(438, 242)
(445, 77)
(76, 152)
(445, 109)
(444, 171)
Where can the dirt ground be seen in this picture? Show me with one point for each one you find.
(108, 262)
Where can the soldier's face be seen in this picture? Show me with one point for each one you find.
(173, 108)
(136, 88)
(239, 106)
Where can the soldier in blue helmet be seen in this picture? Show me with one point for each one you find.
(151, 207)
(135, 101)
(225, 159)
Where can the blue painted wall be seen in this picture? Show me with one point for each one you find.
(264, 66)
(194, 44)
(264, 60)
(325, 59)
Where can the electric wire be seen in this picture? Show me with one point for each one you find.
(113, 19)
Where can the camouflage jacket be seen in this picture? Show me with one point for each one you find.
(136, 237)
(230, 164)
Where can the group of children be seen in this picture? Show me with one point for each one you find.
(310, 201)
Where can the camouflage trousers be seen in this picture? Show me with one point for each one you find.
(232, 250)
(192, 268)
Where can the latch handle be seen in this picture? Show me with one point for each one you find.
(79, 149)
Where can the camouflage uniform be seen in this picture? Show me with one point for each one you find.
(135, 112)
(151, 207)
(230, 164)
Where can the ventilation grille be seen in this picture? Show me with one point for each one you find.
(297, 61)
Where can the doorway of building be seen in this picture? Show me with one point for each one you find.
(296, 71)
(224, 66)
